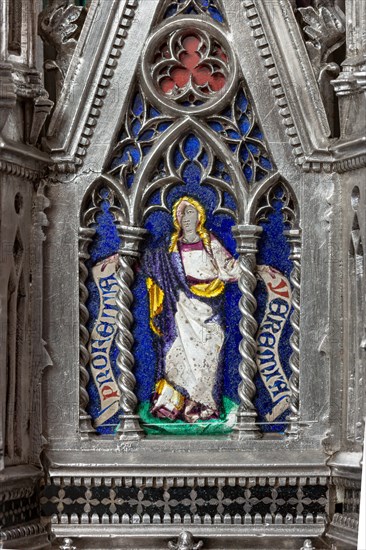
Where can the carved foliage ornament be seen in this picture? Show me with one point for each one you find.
(325, 27)
(60, 25)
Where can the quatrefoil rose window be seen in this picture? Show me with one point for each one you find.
(189, 68)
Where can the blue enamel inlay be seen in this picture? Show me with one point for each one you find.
(136, 127)
(265, 163)
(243, 153)
(203, 159)
(191, 147)
(137, 136)
(196, 7)
(153, 112)
(137, 106)
(146, 136)
(248, 172)
(239, 130)
(178, 158)
(216, 126)
(244, 125)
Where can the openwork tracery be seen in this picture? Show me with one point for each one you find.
(189, 130)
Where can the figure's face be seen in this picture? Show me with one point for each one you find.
(189, 218)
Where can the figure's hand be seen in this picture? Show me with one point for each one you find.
(230, 264)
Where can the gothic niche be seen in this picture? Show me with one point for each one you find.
(189, 254)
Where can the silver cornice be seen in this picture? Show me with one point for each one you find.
(16, 170)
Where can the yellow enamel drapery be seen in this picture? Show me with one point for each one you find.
(173, 396)
(208, 290)
(156, 297)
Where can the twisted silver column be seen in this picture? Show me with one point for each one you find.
(85, 425)
(294, 238)
(246, 237)
(131, 239)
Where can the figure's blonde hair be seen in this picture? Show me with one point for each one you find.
(201, 230)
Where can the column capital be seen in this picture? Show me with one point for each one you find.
(132, 239)
(293, 237)
(246, 237)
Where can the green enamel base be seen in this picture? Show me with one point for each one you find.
(158, 426)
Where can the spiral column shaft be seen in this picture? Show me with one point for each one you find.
(85, 424)
(131, 239)
(294, 238)
(246, 237)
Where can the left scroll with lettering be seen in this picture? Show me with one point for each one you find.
(102, 338)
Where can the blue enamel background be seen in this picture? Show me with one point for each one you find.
(273, 250)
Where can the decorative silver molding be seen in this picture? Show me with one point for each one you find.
(114, 479)
(16, 492)
(343, 529)
(246, 521)
(344, 520)
(246, 237)
(20, 171)
(41, 359)
(41, 109)
(346, 483)
(314, 157)
(126, 20)
(23, 531)
(265, 51)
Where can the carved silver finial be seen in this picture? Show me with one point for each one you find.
(185, 542)
(67, 545)
(308, 545)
